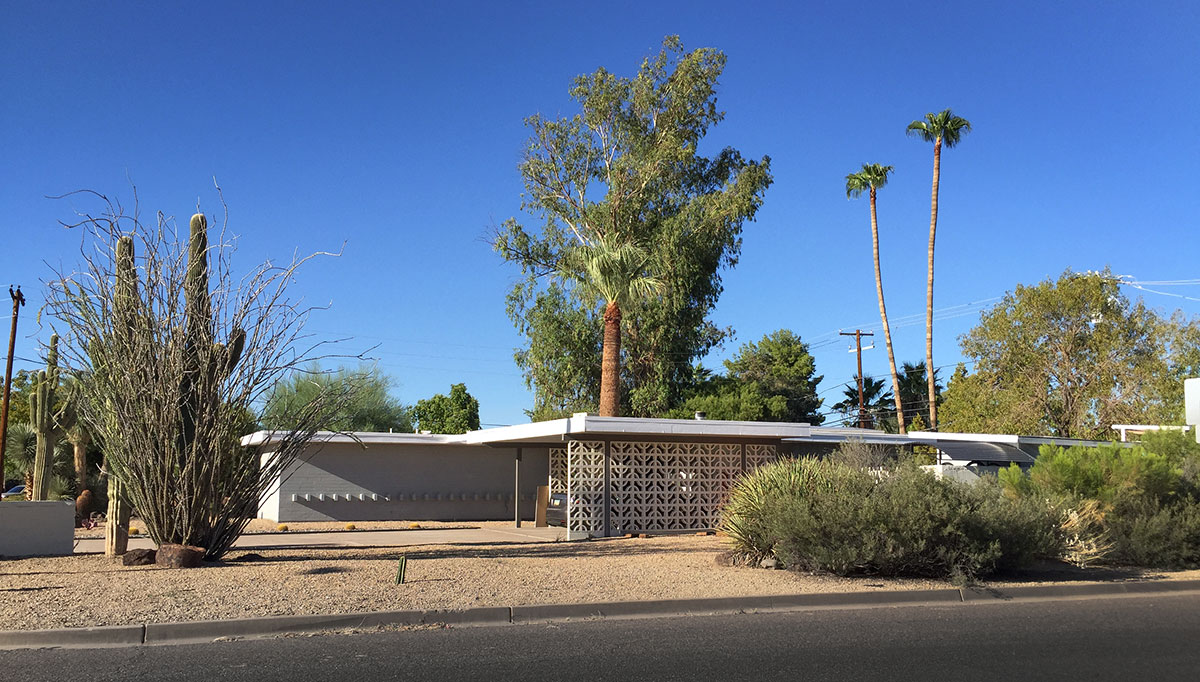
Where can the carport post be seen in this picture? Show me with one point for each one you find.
(517, 488)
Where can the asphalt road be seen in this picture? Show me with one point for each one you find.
(1103, 639)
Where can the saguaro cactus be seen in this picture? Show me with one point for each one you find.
(41, 418)
(206, 361)
(116, 527)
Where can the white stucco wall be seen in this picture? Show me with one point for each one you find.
(406, 481)
(37, 528)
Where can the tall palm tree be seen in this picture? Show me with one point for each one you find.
(618, 274)
(942, 129)
(872, 177)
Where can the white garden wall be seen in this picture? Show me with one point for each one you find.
(37, 528)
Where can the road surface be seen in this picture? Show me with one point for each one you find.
(1123, 638)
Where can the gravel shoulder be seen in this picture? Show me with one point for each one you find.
(90, 590)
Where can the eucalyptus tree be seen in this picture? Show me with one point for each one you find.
(942, 129)
(872, 177)
(626, 169)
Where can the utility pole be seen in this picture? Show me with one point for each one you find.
(18, 300)
(858, 334)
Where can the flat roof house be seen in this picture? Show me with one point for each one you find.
(619, 474)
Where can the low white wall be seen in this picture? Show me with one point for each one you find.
(37, 528)
(406, 481)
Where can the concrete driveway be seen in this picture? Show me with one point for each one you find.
(366, 538)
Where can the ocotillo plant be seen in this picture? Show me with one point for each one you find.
(41, 418)
(168, 403)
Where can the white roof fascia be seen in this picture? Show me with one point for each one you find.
(582, 425)
(358, 437)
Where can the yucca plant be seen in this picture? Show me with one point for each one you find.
(743, 517)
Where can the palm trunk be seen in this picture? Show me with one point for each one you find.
(887, 331)
(610, 365)
(933, 212)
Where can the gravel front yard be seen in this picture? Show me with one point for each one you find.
(89, 590)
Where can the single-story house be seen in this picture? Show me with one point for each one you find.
(619, 474)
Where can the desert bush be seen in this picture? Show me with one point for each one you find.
(743, 517)
(860, 454)
(829, 517)
(1132, 506)
(1156, 535)
(1109, 473)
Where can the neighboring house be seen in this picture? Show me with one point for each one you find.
(619, 474)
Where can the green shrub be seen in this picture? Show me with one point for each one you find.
(1155, 535)
(743, 517)
(1109, 473)
(1145, 500)
(827, 517)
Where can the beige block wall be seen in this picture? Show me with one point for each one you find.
(406, 481)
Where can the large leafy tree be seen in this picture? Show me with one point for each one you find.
(872, 177)
(369, 406)
(773, 379)
(1070, 357)
(627, 170)
(943, 129)
(454, 413)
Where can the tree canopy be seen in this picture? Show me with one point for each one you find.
(455, 413)
(773, 379)
(1070, 357)
(370, 406)
(627, 169)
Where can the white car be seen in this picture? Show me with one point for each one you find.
(16, 491)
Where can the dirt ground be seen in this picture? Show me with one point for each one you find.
(89, 590)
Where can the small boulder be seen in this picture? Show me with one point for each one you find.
(138, 557)
(179, 556)
(727, 559)
(769, 563)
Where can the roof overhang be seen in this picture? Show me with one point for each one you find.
(583, 425)
(356, 437)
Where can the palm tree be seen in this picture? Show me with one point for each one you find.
(943, 128)
(913, 384)
(869, 179)
(618, 274)
(875, 399)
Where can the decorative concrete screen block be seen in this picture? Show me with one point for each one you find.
(558, 470)
(37, 528)
(660, 486)
(585, 487)
(758, 455)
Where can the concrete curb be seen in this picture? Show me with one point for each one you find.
(207, 631)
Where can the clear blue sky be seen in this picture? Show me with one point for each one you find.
(396, 128)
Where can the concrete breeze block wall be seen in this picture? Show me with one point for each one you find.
(406, 481)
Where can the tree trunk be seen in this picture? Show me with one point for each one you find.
(887, 331)
(610, 365)
(933, 213)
